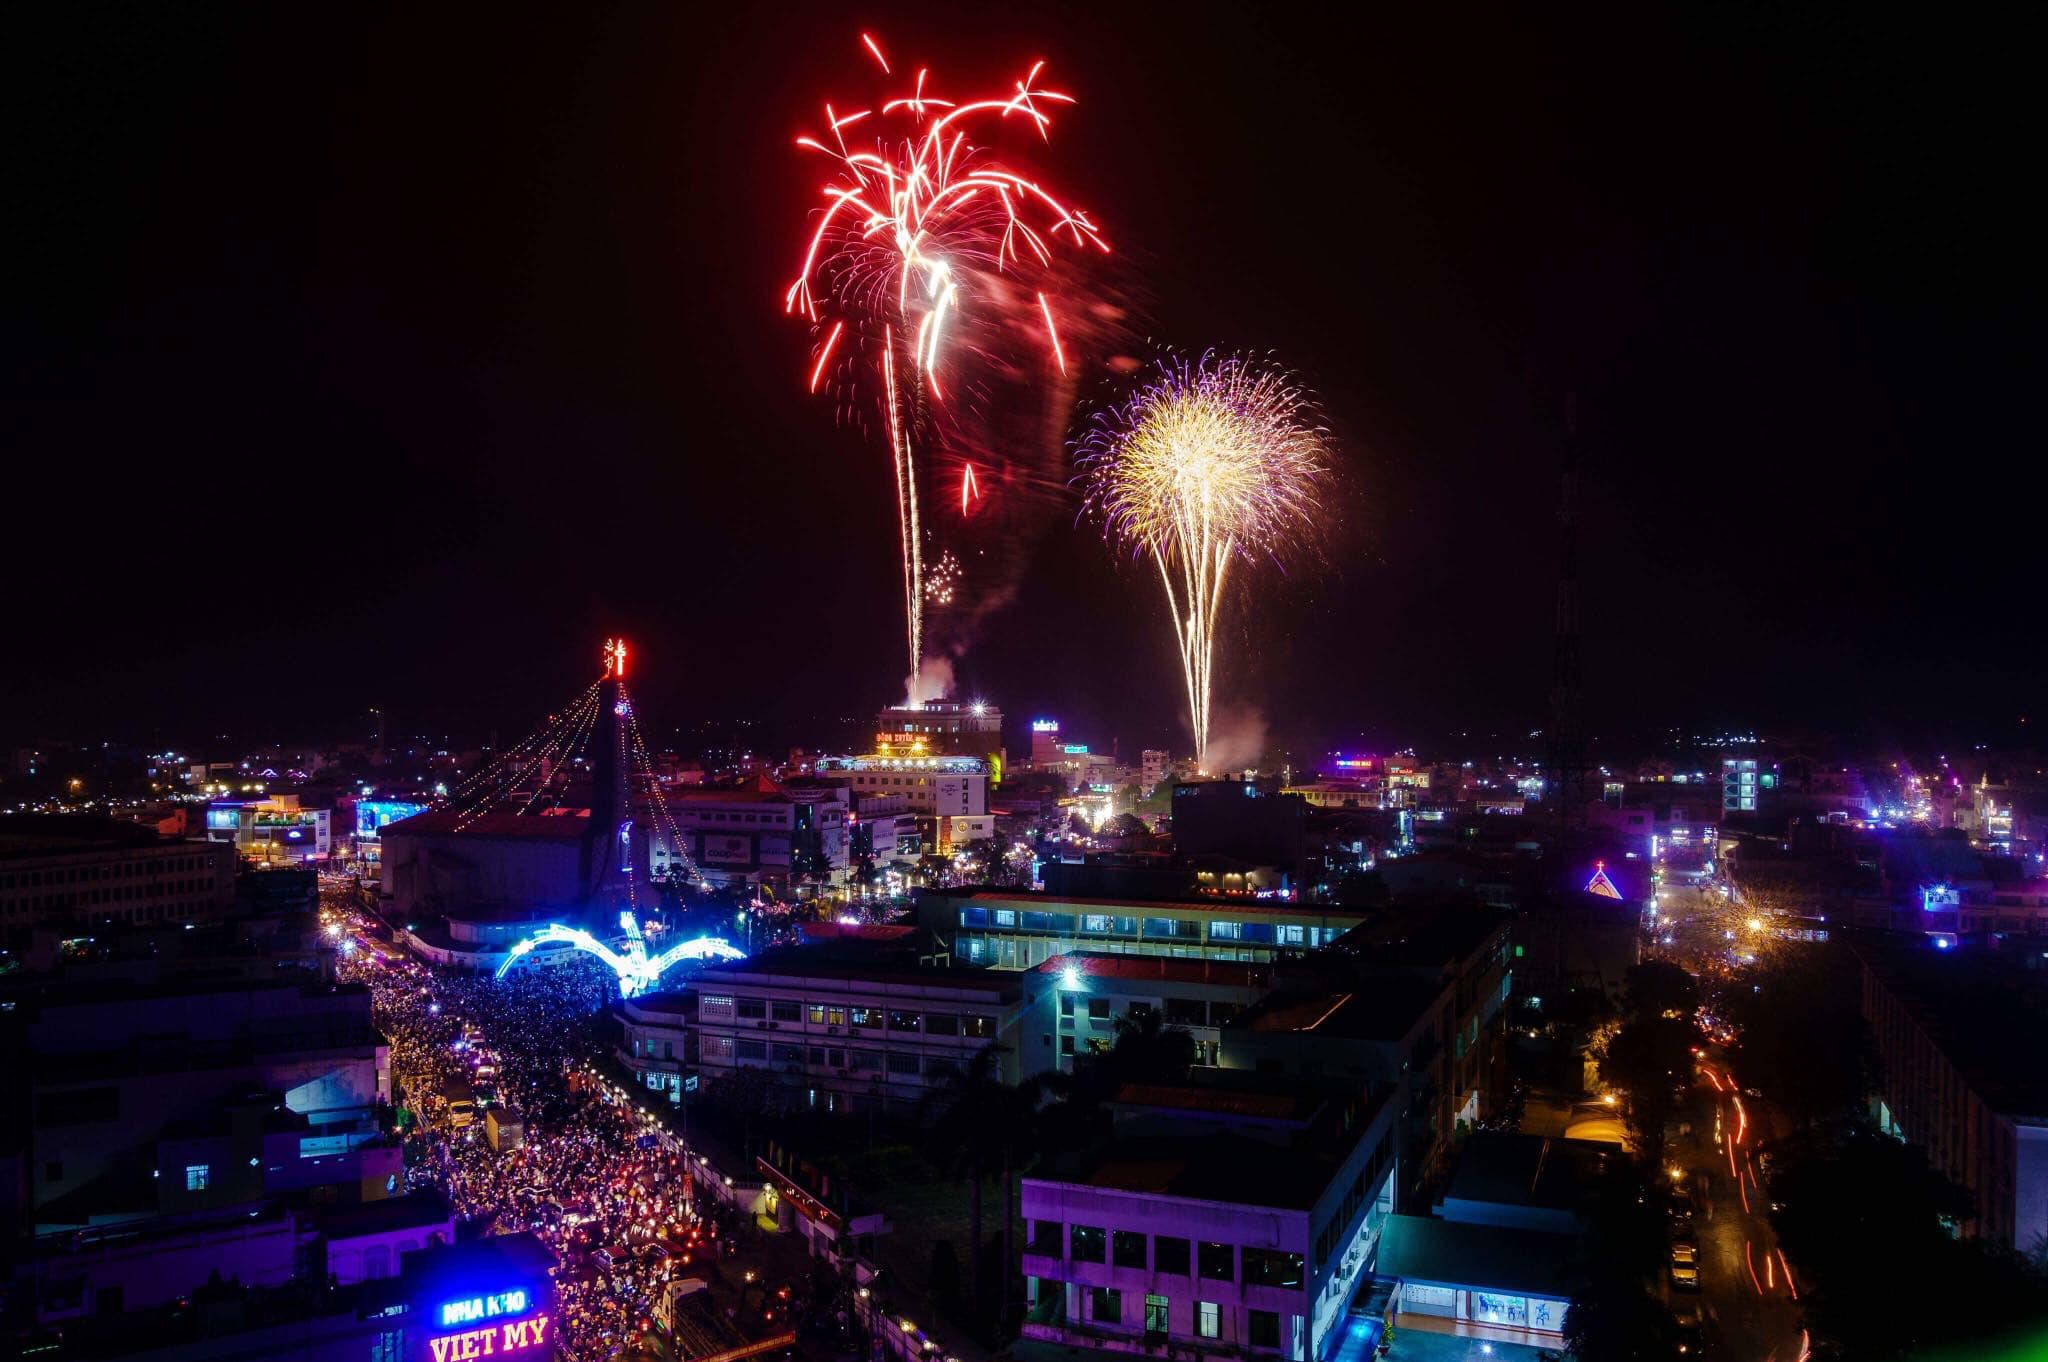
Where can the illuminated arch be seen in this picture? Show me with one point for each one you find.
(637, 971)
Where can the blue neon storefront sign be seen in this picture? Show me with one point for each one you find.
(470, 1309)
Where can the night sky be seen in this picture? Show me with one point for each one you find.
(397, 359)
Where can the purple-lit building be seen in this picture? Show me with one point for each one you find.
(1230, 1215)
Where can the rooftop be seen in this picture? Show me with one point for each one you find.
(1982, 1008)
(841, 962)
(1159, 968)
(1372, 1009)
(1528, 1170)
(1233, 1169)
(1214, 906)
(25, 835)
(1448, 1253)
(566, 826)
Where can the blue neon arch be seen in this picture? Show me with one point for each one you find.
(638, 971)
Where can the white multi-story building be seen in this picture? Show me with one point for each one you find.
(759, 832)
(1222, 1220)
(842, 1034)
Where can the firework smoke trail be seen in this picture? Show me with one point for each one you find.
(1209, 461)
(902, 271)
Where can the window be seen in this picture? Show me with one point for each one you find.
(752, 1049)
(1098, 1008)
(1185, 1012)
(1208, 1322)
(902, 1064)
(868, 1017)
(1226, 931)
(1216, 1263)
(941, 1024)
(821, 1015)
(863, 1061)
(904, 1021)
(1170, 1255)
(753, 1009)
(1270, 1267)
(1155, 1314)
(786, 1012)
(1006, 917)
(788, 1054)
(1066, 1004)
(1105, 1305)
(197, 1176)
(1066, 1045)
(1265, 1328)
(1086, 1243)
(1045, 1238)
(979, 1026)
(1127, 1248)
(1095, 922)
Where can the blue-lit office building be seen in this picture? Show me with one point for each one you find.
(1004, 929)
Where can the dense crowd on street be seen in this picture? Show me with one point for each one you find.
(588, 1175)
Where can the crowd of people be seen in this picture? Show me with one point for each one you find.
(586, 1173)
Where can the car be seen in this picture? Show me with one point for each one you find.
(1685, 1276)
(1684, 1252)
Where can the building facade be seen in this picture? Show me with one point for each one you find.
(75, 873)
(1215, 1224)
(1012, 931)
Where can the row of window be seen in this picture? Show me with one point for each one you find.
(110, 870)
(972, 1024)
(904, 1063)
(1162, 928)
(1170, 1256)
(1363, 1186)
(1106, 1306)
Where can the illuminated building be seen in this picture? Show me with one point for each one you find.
(1045, 743)
(944, 728)
(841, 1027)
(63, 871)
(271, 828)
(759, 833)
(1078, 1000)
(1006, 930)
(1739, 785)
(1232, 1214)
(952, 791)
(1153, 765)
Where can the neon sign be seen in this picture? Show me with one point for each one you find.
(637, 970)
(514, 1335)
(482, 1307)
(1045, 725)
(1600, 884)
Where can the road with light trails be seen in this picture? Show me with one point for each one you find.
(1748, 1292)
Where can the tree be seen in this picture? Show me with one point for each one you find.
(1646, 1059)
(1659, 988)
(1795, 1007)
(1870, 1223)
(965, 1117)
(1613, 1317)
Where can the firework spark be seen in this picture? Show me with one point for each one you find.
(1208, 462)
(930, 253)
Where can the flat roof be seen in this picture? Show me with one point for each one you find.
(1216, 906)
(1485, 1257)
(795, 963)
(554, 827)
(1383, 1008)
(1528, 1170)
(1161, 968)
(1981, 1008)
(1233, 1169)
